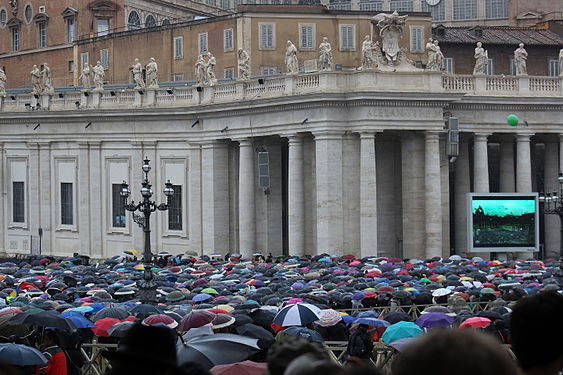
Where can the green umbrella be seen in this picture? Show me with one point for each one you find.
(401, 330)
(209, 291)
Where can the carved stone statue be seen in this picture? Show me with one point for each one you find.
(99, 74)
(14, 4)
(435, 56)
(36, 80)
(291, 58)
(152, 73)
(47, 83)
(209, 69)
(243, 64)
(137, 69)
(368, 59)
(561, 62)
(520, 57)
(85, 77)
(481, 59)
(200, 74)
(2, 82)
(391, 31)
(325, 55)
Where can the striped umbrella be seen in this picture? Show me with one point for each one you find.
(298, 314)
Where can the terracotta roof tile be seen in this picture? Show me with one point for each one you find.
(499, 35)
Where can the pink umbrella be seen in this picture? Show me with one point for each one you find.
(240, 368)
(475, 322)
(195, 319)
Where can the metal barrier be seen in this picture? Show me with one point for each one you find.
(94, 362)
(413, 310)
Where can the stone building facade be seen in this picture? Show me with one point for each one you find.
(357, 163)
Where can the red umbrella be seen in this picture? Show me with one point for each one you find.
(103, 325)
(475, 322)
(160, 319)
(195, 319)
(240, 368)
(10, 310)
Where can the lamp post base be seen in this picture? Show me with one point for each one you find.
(147, 287)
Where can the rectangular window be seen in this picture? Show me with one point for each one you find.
(203, 43)
(490, 69)
(417, 37)
(228, 40)
(307, 36)
(102, 26)
(449, 65)
(402, 5)
(438, 12)
(15, 39)
(175, 209)
(70, 30)
(104, 58)
(84, 60)
(266, 35)
(553, 68)
(71, 66)
(42, 27)
(225, 4)
(179, 77)
(179, 47)
(268, 70)
(18, 202)
(512, 67)
(340, 5)
(465, 9)
(347, 39)
(496, 8)
(372, 5)
(117, 208)
(67, 206)
(229, 73)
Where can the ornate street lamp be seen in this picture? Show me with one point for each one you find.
(146, 206)
(553, 205)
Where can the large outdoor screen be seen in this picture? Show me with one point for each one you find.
(502, 222)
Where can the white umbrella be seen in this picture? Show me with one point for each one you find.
(297, 314)
(441, 292)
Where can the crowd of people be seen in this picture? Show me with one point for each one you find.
(325, 314)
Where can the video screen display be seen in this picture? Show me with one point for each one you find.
(503, 222)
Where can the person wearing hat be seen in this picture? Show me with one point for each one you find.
(145, 350)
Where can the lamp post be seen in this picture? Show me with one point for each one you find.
(553, 205)
(146, 206)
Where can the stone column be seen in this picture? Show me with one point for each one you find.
(296, 203)
(4, 181)
(97, 244)
(368, 195)
(433, 195)
(83, 201)
(195, 199)
(480, 163)
(45, 201)
(524, 164)
(462, 186)
(507, 164)
(328, 158)
(215, 197)
(247, 210)
(552, 227)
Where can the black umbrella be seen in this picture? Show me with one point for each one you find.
(256, 332)
(111, 312)
(144, 310)
(45, 319)
(397, 316)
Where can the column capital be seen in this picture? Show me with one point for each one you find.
(432, 135)
(482, 137)
(368, 134)
(523, 137)
(328, 135)
(293, 137)
(244, 142)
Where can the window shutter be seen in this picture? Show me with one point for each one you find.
(416, 39)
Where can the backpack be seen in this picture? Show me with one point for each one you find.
(357, 346)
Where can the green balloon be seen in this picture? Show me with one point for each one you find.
(512, 120)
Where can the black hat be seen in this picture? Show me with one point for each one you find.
(133, 346)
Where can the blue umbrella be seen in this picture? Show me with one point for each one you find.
(21, 355)
(373, 322)
(401, 330)
(202, 297)
(78, 319)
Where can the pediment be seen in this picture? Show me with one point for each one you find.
(103, 6)
(41, 17)
(529, 15)
(14, 22)
(69, 12)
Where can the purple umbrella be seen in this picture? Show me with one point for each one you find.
(202, 297)
(434, 320)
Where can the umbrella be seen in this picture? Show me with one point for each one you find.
(298, 314)
(441, 292)
(475, 322)
(374, 322)
(397, 316)
(434, 320)
(78, 319)
(103, 325)
(45, 319)
(120, 329)
(240, 368)
(202, 297)
(401, 330)
(254, 331)
(329, 317)
(402, 344)
(21, 355)
(143, 310)
(111, 312)
(160, 319)
(195, 319)
(217, 349)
